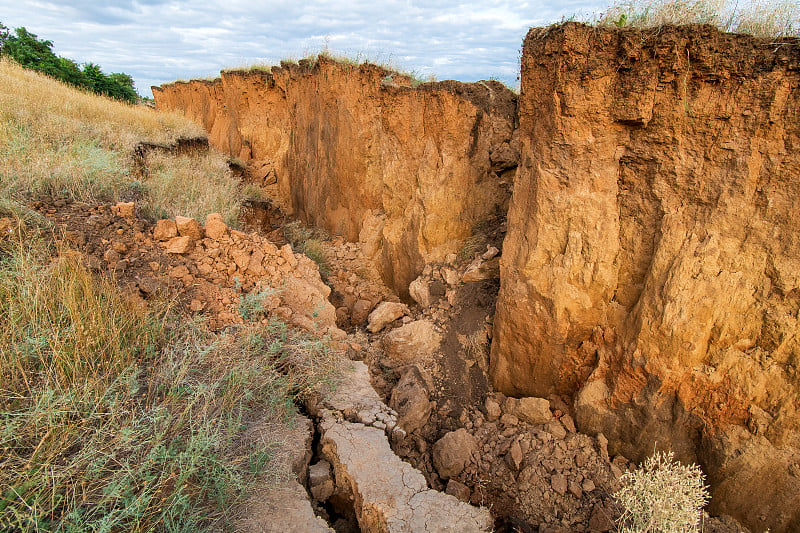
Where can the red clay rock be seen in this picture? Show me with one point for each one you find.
(165, 230)
(215, 226)
(189, 227)
(180, 245)
(124, 209)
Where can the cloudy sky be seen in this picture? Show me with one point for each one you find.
(158, 41)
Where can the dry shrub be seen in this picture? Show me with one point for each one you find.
(662, 496)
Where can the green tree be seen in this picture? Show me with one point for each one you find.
(37, 54)
(4, 34)
(31, 52)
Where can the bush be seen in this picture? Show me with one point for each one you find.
(662, 496)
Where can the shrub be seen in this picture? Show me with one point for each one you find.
(662, 496)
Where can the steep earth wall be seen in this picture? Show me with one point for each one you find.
(652, 263)
(355, 150)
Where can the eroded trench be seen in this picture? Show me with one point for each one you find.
(429, 403)
(413, 185)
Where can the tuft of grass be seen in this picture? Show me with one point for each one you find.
(662, 496)
(192, 185)
(60, 141)
(309, 241)
(113, 418)
(761, 18)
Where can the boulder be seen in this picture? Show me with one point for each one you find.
(384, 314)
(410, 399)
(530, 410)
(411, 342)
(309, 298)
(452, 452)
(360, 312)
(419, 292)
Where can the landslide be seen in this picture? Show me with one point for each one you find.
(354, 149)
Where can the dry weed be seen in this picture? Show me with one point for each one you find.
(762, 18)
(58, 140)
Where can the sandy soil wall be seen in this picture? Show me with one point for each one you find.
(354, 149)
(651, 269)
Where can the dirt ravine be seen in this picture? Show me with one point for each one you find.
(648, 261)
(357, 151)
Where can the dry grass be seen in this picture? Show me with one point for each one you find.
(309, 241)
(192, 185)
(115, 419)
(57, 140)
(762, 18)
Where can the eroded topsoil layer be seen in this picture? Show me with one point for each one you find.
(355, 150)
(652, 261)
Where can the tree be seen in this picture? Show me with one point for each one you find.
(37, 54)
(4, 34)
(30, 52)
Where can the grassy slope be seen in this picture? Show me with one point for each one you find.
(113, 417)
(57, 140)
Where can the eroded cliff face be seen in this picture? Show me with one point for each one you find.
(355, 150)
(652, 263)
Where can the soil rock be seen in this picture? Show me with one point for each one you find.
(180, 245)
(215, 226)
(384, 314)
(410, 400)
(528, 409)
(320, 480)
(411, 342)
(165, 230)
(452, 452)
(189, 227)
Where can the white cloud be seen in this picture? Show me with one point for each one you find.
(157, 41)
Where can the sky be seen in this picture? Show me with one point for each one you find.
(159, 41)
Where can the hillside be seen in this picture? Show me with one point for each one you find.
(122, 405)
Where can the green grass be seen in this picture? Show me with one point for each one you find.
(118, 419)
(309, 241)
